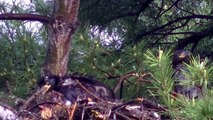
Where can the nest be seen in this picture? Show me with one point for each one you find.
(82, 98)
(53, 105)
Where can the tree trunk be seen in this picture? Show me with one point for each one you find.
(60, 32)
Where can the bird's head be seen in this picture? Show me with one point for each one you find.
(181, 56)
(53, 81)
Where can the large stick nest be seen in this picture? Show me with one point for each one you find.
(93, 103)
(51, 106)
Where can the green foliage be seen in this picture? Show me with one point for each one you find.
(22, 51)
(93, 57)
(134, 22)
(198, 73)
(162, 74)
(22, 54)
(196, 109)
(43, 7)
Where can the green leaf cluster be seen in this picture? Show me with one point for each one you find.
(162, 75)
(197, 73)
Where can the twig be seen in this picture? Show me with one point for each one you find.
(82, 114)
(89, 91)
(122, 115)
(43, 90)
(138, 100)
(140, 77)
(73, 111)
(174, 4)
(108, 74)
(154, 105)
(43, 103)
(9, 88)
(128, 75)
(29, 114)
(122, 78)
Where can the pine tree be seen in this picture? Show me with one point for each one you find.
(197, 73)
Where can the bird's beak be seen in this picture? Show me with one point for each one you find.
(182, 55)
(46, 88)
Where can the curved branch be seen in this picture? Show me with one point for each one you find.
(174, 33)
(142, 34)
(194, 38)
(174, 4)
(30, 17)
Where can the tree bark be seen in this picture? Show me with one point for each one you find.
(60, 32)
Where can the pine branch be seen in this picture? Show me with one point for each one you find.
(30, 17)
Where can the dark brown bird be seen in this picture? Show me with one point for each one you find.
(179, 58)
(76, 88)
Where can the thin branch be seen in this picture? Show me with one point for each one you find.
(179, 26)
(9, 87)
(108, 74)
(195, 38)
(71, 114)
(174, 33)
(43, 90)
(82, 86)
(174, 4)
(160, 9)
(126, 76)
(142, 34)
(121, 79)
(30, 17)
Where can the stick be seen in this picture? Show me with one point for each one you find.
(42, 90)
